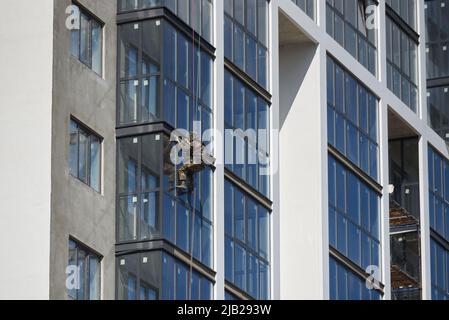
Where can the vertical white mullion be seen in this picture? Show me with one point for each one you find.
(321, 20)
(421, 62)
(383, 152)
(381, 23)
(320, 15)
(324, 175)
(219, 221)
(424, 219)
(385, 200)
(275, 246)
(423, 156)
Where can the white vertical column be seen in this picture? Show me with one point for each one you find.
(324, 210)
(424, 219)
(219, 152)
(275, 189)
(422, 61)
(320, 14)
(423, 157)
(381, 24)
(384, 154)
(321, 20)
(385, 201)
(304, 245)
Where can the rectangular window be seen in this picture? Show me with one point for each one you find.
(439, 256)
(438, 113)
(247, 111)
(246, 25)
(406, 9)
(176, 89)
(437, 15)
(85, 154)
(402, 64)
(439, 193)
(354, 221)
(87, 41)
(352, 119)
(348, 24)
(150, 206)
(308, 6)
(84, 273)
(157, 275)
(247, 244)
(198, 14)
(346, 285)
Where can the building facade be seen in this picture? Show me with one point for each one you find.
(437, 93)
(236, 149)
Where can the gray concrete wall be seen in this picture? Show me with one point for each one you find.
(76, 209)
(25, 127)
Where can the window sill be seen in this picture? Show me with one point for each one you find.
(78, 61)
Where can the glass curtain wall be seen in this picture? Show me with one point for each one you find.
(352, 119)
(159, 276)
(402, 64)
(437, 49)
(246, 37)
(198, 14)
(439, 224)
(247, 243)
(405, 9)
(247, 149)
(349, 23)
(178, 95)
(166, 83)
(354, 201)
